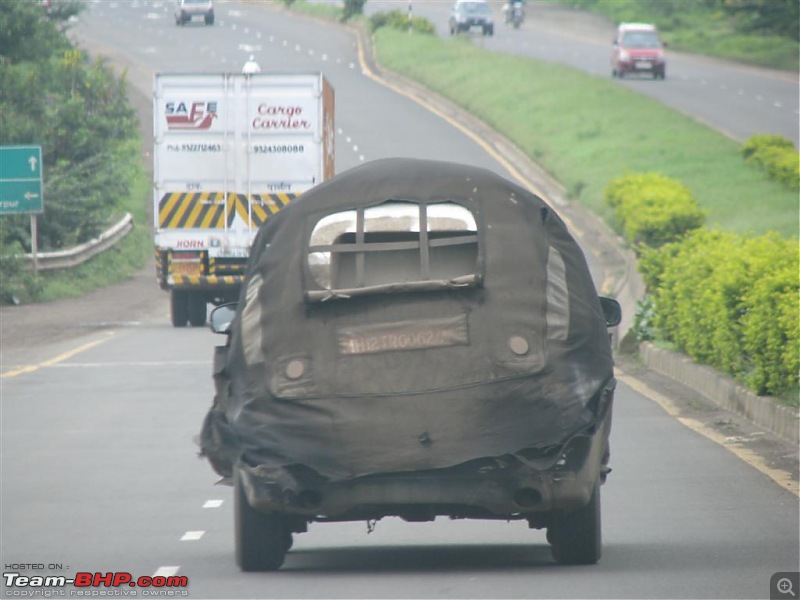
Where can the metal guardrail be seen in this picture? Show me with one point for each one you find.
(72, 257)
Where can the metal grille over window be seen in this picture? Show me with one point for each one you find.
(394, 246)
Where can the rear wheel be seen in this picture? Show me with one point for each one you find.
(179, 307)
(576, 537)
(261, 540)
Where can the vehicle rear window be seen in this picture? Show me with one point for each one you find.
(394, 246)
(641, 39)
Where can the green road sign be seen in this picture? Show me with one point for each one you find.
(21, 179)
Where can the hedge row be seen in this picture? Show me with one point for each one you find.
(776, 155)
(723, 299)
(653, 209)
(397, 19)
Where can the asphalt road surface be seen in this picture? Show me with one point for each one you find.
(102, 398)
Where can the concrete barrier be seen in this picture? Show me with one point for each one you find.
(724, 391)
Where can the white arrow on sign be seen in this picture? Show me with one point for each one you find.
(32, 162)
(30, 195)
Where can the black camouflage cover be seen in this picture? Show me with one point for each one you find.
(410, 377)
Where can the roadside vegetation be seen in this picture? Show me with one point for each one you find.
(55, 96)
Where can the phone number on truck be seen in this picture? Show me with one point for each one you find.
(278, 148)
(194, 147)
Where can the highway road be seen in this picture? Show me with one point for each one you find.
(100, 470)
(735, 99)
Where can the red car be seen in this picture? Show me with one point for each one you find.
(638, 49)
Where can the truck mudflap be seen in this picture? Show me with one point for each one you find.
(527, 485)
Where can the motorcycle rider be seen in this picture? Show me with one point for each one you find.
(514, 10)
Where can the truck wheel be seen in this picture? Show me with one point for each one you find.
(576, 537)
(197, 310)
(179, 307)
(261, 540)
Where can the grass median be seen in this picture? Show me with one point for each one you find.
(587, 130)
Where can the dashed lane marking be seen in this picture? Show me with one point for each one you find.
(56, 360)
(192, 536)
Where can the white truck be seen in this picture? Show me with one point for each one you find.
(230, 150)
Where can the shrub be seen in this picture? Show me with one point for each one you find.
(397, 19)
(771, 324)
(775, 155)
(353, 8)
(653, 209)
(732, 302)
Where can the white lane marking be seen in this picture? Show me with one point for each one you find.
(168, 571)
(213, 503)
(192, 536)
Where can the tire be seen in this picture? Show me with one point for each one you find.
(576, 538)
(197, 310)
(209, 20)
(261, 540)
(179, 307)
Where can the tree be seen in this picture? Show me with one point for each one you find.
(53, 95)
(353, 8)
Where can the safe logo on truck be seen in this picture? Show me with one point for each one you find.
(190, 115)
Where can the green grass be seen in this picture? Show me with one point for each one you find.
(586, 130)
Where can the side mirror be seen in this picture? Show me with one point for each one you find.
(221, 318)
(612, 311)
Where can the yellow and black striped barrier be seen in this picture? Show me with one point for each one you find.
(207, 210)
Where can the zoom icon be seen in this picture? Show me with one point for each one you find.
(784, 585)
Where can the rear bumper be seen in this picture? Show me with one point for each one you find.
(205, 282)
(641, 66)
(529, 485)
